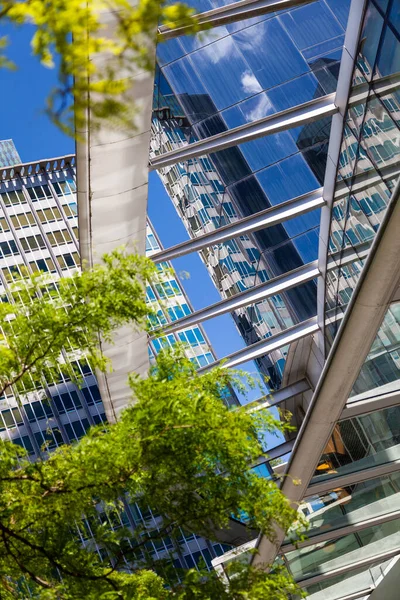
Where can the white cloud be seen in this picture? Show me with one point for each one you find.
(250, 83)
(217, 49)
(262, 109)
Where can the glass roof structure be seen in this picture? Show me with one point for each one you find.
(276, 135)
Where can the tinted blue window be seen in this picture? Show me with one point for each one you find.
(340, 9)
(191, 338)
(267, 39)
(279, 183)
(310, 25)
(389, 56)
(267, 150)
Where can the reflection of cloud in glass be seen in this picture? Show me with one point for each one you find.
(262, 109)
(250, 83)
(214, 52)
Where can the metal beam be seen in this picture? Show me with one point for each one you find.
(277, 214)
(343, 91)
(261, 220)
(356, 595)
(278, 285)
(324, 536)
(363, 181)
(256, 294)
(230, 13)
(358, 564)
(292, 117)
(274, 342)
(299, 115)
(367, 470)
(378, 282)
(377, 399)
(273, 453)
(279, 396)
(381, 86)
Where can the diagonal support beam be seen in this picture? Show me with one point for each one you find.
(299, 115)
(292, 117)
(265, 346)
(260, 292)
(231, 13)
(261, 220)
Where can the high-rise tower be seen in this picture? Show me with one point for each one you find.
(39, 231)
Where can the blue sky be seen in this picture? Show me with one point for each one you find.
(22, 118)
(22, 102)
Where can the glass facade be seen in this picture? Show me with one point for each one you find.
(237, 75)
(206, 85)
(371, 144)
(344, 515)
(232, 76)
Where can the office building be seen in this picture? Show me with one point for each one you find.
(39, 231)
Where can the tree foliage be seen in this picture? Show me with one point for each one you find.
(177, 449)
(94, 59)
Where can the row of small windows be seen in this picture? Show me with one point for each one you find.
(64, 188)
(8, 248)
(193, 337)
(38, 192)
(13, 197)
(32, 242)
(46, 215)
(168, 288)
(67, 261)
(39, 410)
(13, 272)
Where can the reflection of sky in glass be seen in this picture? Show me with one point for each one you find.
(238, 61)
(237, 74)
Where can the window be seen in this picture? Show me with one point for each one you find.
(24, 442)
(11, 273)
(32, 242)
(3, 224)
(13, 197)
(48, 215)
(38, 192)
(38, 411)
(23, 220)
(7, 248)
(57, 238)
(43, 264)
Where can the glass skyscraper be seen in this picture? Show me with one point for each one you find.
(232, 76)
(225, 151)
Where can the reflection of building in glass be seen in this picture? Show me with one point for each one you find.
(218, 83)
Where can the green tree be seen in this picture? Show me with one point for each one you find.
(177, 449)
